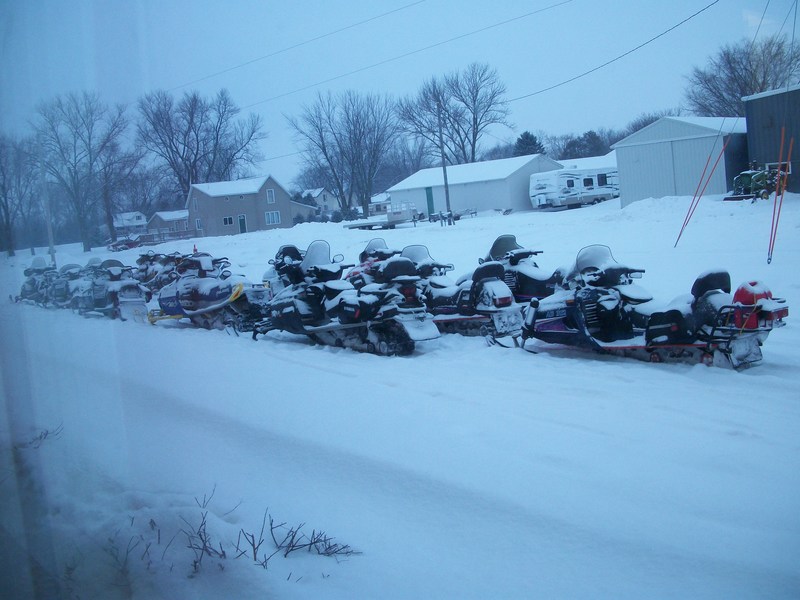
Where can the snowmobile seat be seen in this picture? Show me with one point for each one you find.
(488, 270)
(712, 280)
(397, 267)
(669, 327)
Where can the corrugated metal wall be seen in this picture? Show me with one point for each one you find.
(675, 167)
(765, 118)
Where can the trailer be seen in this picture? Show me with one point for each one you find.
(572, 188)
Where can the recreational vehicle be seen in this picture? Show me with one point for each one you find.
(571, 188)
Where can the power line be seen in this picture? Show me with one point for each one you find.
(613, 60)
(298, 45)
(407, 54)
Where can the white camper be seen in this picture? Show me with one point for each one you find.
(573, 188)
(580, 181)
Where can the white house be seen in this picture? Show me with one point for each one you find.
(668, 157)
(128, 223)
(492, 184)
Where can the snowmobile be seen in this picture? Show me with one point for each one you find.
(37, 278)
(318, 303)
(477, 304)
(204, 291)
(61, 289)
(108, 289)
(521, 274)
(155, 270)
(600, 308)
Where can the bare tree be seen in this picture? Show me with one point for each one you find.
(116, 169)
(465, 104)
(370, 125)
(18, 180)
(740, 70)
(406, 156)
(349, 138)
(199, 140)
(146, 190)
(75, 133)
(647, 118)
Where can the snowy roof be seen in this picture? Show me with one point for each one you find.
(716, 124)
(238, 187)
(591, 162)
(382, 197)
(313, 193)
(172, 215)
(684, 128)
(792, 88)
(127, 219)
(489, 170)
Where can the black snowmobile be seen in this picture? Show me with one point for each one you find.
(600, 308)
(521, 273)
(319, 304)
(479, 303)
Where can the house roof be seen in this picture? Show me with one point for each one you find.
(313, 193)
(684, 128)
(127, 219)
(382, 197)
(490, 170)
(171, 215)
(783, 90)
(238, 187)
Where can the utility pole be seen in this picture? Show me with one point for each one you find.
(47, 211)
(441, 150)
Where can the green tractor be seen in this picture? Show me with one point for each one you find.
(755, 183)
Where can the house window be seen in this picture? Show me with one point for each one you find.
(270, 196)
(273, 217)
(194, 202)
(198, 225)
(227, 220)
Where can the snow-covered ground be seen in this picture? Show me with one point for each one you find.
(463, 471)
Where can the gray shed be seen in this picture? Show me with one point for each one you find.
(667, 158)
(487, 185)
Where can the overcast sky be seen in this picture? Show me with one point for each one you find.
(274, 57)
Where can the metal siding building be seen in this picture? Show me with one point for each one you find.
(767, 114)
(487, 185)
(667, 158)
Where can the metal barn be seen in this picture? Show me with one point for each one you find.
(487, 185)
(767, 115)
(668, 157)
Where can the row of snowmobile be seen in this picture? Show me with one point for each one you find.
(393, 298)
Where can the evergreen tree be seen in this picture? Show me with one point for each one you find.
(527, 143)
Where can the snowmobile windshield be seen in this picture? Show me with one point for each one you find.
(417, 253)
(111, 262)
(502, 245)
(318, 253)
(371, 247)
(596, 257)
(288, 251)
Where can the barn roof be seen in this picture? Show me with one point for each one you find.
(489, 170)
